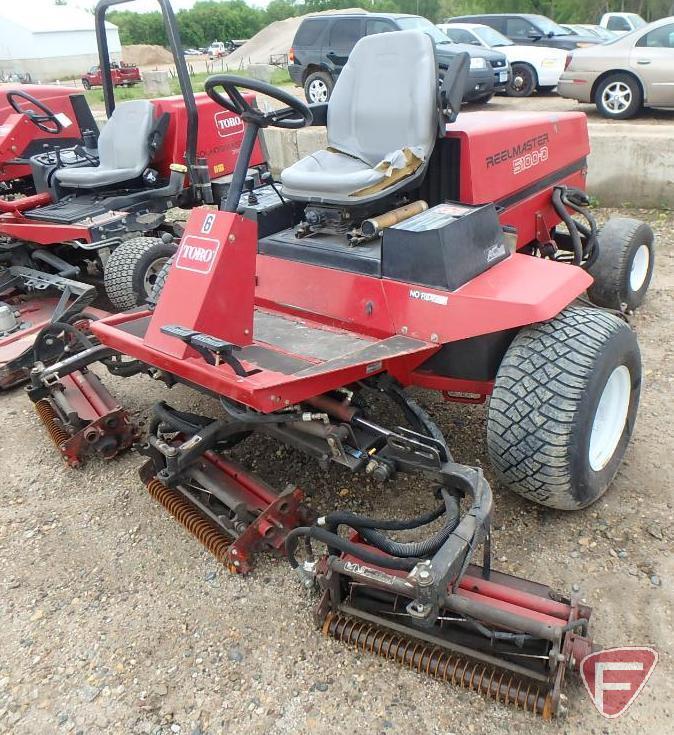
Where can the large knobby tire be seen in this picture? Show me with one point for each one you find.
(133, 268)
(563, 407)
(318, 87)
(618, 97)
(523, 80)
(624, 267)
(158, 286)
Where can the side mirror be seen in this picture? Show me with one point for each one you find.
(452, 86)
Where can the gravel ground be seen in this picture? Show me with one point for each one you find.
(114, 620)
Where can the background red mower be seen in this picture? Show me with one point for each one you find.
(97, 209)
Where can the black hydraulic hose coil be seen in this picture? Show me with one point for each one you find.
(570, 223)
(371, 529)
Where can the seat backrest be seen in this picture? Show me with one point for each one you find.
(124, 141)
(385, 98)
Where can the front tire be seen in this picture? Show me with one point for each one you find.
(133, 268)
(86, 84)
(624, 267)
(318, 87)
(618, 97)
(563, 408)
(523, 81)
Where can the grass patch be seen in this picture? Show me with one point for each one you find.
(95, 96)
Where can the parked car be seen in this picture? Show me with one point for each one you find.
(622, 23)
(529, 30)
(532, 67)
(123, 75)
(622, 76)
(322, 45)
(582, 29)
(217, 50)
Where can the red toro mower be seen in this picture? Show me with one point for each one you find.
(98, 209)
(34, 118)
(359, 277)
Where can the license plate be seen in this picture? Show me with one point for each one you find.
(503, 76)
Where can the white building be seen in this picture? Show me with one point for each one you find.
(49, 41)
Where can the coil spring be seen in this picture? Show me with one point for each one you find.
(201, 528)
(489, 681)
(57, 433)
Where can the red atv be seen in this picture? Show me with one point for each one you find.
(122, 75)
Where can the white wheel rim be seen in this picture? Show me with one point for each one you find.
(318, 91)
(617, 97)
(639, 268)
(152, 273)
(609, 418)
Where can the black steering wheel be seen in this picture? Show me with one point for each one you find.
(295, 115)
(41, 121)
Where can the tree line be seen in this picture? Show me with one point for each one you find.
(210, 20)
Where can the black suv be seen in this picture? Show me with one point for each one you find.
(323, 43)
(529, 30)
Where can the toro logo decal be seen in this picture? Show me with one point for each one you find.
(197, 254)
(227, 124)
(614, 677)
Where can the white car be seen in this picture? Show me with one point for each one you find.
(533, 67)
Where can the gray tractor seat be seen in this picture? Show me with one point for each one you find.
(123, 149)
(382, 123)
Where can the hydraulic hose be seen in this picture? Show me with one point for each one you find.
(332, 541)
(570, 224)
(415, 549)
(187, 423)
(370, 529)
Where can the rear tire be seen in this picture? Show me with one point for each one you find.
(618, 97)
(563, 408)
(318, 87)
(624, 267)
(523, 81)
(133, 268)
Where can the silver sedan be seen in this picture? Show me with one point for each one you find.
(623, 76)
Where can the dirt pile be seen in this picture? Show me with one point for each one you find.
(276, 38)
(143, 54)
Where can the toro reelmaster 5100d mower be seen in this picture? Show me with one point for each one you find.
(99, 208)
(294, 308)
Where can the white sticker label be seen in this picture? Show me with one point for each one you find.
(197, 254)
(432, 298)
(63, 119)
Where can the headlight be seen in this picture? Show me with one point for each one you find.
(549, 63)
(585, 45)
(477, 62)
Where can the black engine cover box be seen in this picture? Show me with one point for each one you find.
(444, 247)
